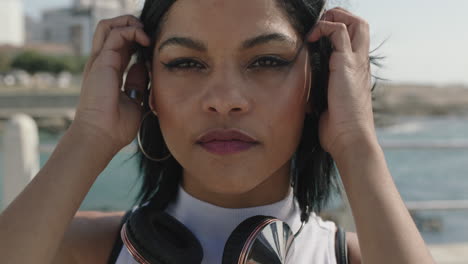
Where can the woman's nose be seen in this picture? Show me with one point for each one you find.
(225, 95)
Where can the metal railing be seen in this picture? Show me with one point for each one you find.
(424, 144)
(414, 206)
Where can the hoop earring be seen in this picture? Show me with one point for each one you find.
(305, 72)
(141, 147)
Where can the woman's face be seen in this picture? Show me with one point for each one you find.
(226, 80)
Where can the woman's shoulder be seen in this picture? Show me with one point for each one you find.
(330, 229)
(323, 224)
(91, 236)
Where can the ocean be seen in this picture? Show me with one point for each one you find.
(420, 174)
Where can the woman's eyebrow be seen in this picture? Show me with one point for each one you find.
(247, 44)
(184, 42)
(265, 38)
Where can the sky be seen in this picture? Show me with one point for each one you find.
(425, 41)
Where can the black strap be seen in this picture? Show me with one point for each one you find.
(341, 250)
(118, 241)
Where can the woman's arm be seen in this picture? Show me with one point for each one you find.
(106, 120)
(90, 238)
(387, 233)
(32, 226)
(354, 252)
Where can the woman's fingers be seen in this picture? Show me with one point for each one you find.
(136, 82)
(117, 48)
(103, 29)
(337, 33)
(346, 31)
(106, 25)
(102, 105)
(357, 27)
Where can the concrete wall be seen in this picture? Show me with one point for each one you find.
(38, 101)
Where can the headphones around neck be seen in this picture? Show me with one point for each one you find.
(155, 237)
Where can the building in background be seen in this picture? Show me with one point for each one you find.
(33, 29)
(75, 25)
(12, 31)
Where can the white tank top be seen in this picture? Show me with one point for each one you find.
(212, 225)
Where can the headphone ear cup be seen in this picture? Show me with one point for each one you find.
(160, 238)
(239, 236)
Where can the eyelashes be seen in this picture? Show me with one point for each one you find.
(189, 64)
(183, 64)
(270, 62)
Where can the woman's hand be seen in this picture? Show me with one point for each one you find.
(348, 122)
(105, 112)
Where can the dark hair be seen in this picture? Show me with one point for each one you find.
(313, 174)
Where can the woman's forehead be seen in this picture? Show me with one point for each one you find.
(225, 21)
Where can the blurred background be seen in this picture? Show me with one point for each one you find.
(421, 106)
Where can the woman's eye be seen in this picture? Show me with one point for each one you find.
(183, 64)
(269, 62)
(190, 64)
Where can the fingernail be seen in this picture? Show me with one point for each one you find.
(134, 94)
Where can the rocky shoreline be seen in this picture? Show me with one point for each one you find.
(395, 100)
(417, 100)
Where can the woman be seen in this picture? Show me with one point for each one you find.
(242, 111)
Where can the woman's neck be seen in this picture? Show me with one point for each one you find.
(273, 189)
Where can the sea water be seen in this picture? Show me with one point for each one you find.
(420, 174)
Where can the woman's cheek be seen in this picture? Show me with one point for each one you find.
(170, 106)
(290, 106)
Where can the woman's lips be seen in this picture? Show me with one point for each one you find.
(226, 147)
(226, 141)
